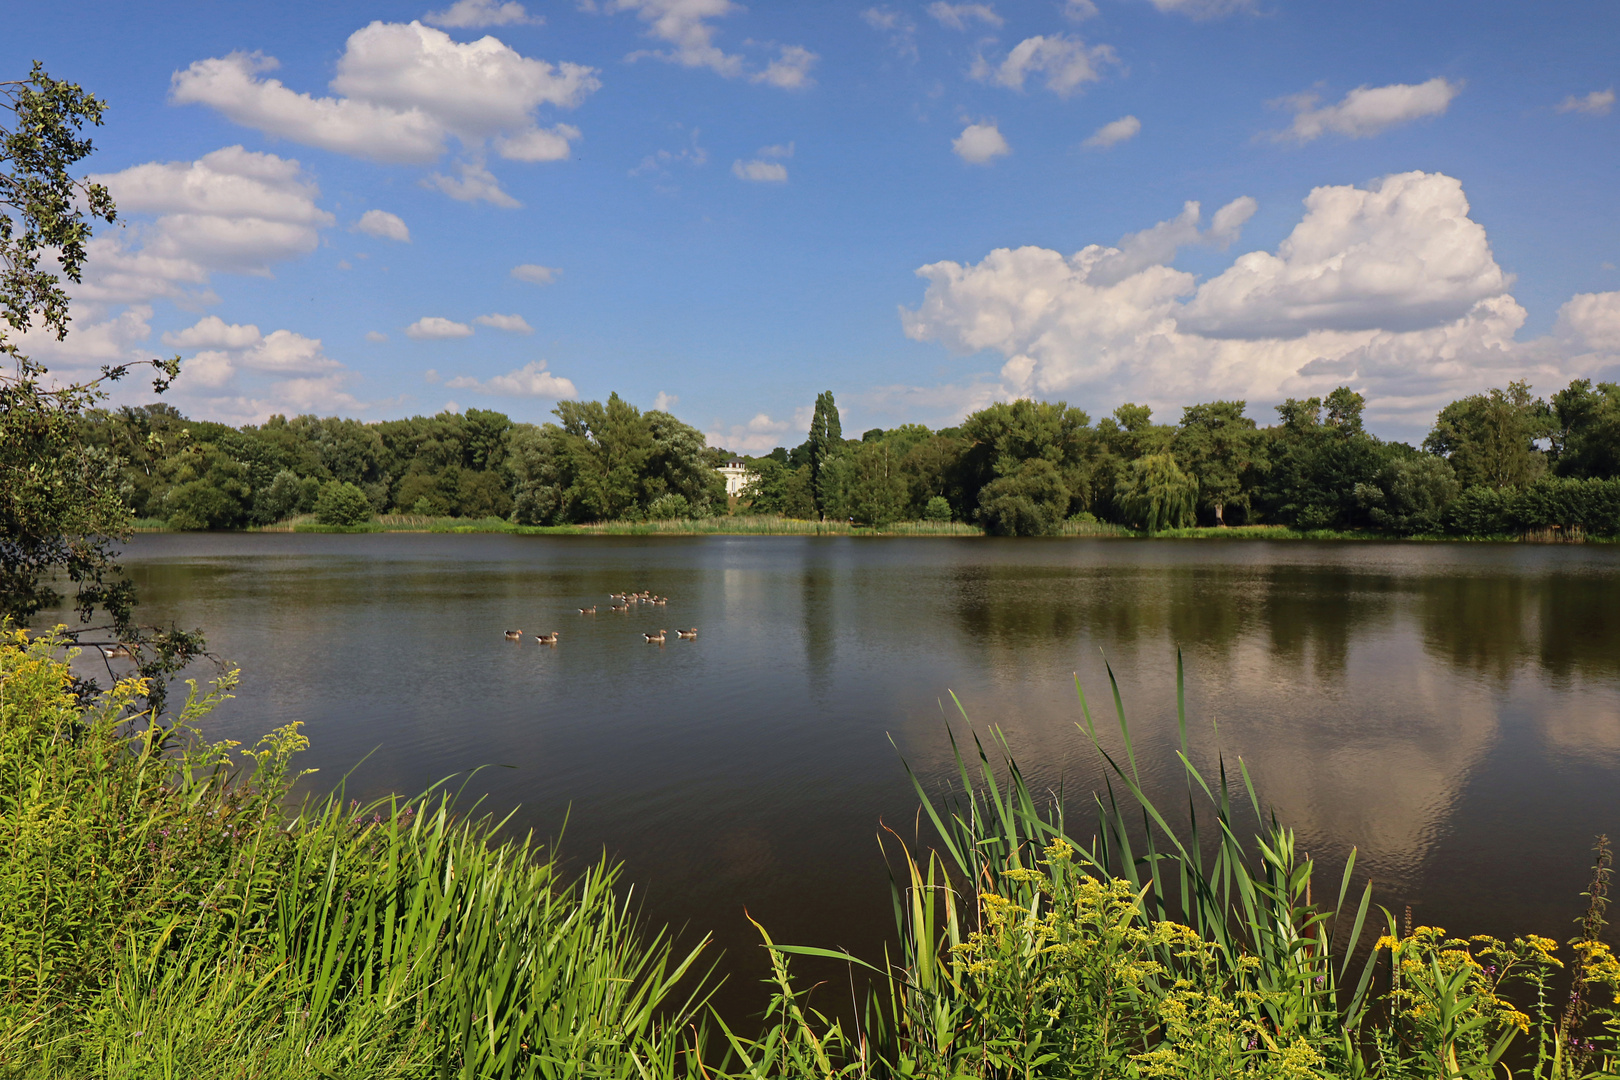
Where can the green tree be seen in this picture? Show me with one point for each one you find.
(1218, 445)
(1313, 463)
(281, 499)
(1585, 435)
(211, 489)
(61, 503)
(1029, 501)
(937, 509)
(607, 461)
(1410, 494)
(342, 503)
(1155, 494)
(826, 439)
(1000, 439)
(1490, 438)
(798, 495)
(864, 484)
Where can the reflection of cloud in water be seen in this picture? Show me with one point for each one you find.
(1378, 769)
(1582, 723)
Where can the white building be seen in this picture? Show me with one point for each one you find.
(737, 476)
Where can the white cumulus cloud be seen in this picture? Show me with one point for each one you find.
(401, 91)
(382, 224)
(535, 274)
(1597, 103)
(664, 402)
(1592, 320)
(473, 14)
(515, 324)
(240, 375)
(233, 210)
(375, 336)
(1391, 289)
(1366, 110)
(530, 380)
(1067, 62)
(1400, 255)
(981, 143)
(1115, 132)
(435, 328)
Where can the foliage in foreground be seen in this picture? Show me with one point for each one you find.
(164, 911)
(1185, 954)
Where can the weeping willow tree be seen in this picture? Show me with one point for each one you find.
(1157, 495)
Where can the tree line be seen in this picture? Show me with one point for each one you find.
(600, 461)
(1495, 463)
(1500, 462)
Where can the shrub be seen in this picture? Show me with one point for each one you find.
(669, 505)
(938, 509)
(342, 503)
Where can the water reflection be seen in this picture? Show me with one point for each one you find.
(1452, 710)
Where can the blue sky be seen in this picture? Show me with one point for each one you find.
(727, 208)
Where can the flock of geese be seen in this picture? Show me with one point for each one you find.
(622, 602)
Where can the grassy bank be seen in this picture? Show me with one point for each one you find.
(740, 525)
(770, 525)
(167, 911)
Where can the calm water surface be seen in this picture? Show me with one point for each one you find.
(1451, 710)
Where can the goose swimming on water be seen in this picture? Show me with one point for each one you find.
(547, 639)
(514, 635)
(655, 639)
(588, 610)
(688, 634)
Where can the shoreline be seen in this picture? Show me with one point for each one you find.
(774, 526)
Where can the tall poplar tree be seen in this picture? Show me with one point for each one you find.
(826, 439)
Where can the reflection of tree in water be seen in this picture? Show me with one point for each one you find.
(1480, 623)
(1491, 624)
(1311, 613)
(1580, 622)
(1302, 612)
(817, 606)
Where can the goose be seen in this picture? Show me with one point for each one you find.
(689, 634)
(118, 652)
(588, 610)
(514, 635)
(621, 607)
(547, 639)
(661, 600)
(655, 639)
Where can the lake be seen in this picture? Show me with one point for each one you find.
(1452, 710)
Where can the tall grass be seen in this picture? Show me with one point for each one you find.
(164, 911)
